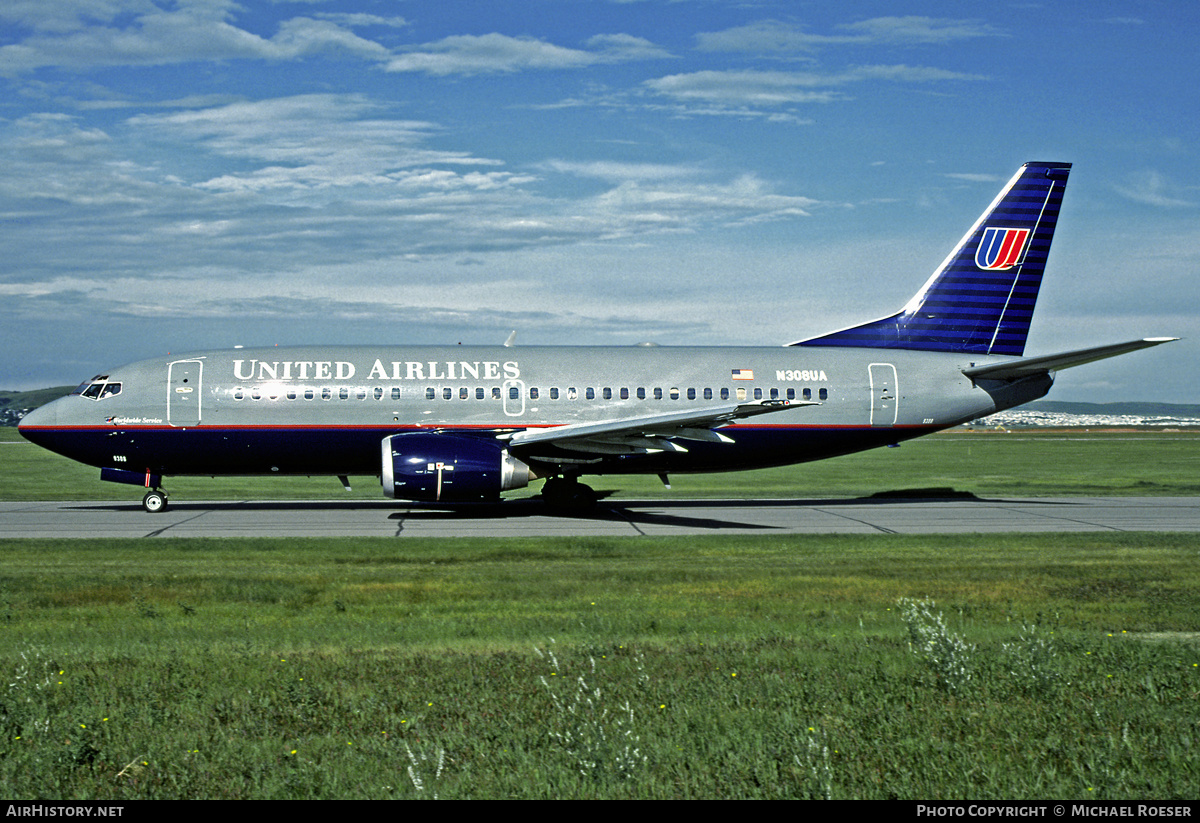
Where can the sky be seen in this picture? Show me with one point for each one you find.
(198, 174)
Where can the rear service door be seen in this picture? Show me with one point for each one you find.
(884, 403)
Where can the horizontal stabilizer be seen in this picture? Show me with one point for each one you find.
(1026, 366)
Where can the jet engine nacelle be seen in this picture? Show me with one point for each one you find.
(449, 468)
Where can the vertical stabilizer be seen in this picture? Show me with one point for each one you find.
(981, 298)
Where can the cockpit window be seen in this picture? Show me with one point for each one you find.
(98, 388)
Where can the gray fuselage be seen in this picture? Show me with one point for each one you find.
(324, 410)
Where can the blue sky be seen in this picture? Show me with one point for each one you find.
(203, 173)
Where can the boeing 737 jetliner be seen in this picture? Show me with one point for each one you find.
(456, 423)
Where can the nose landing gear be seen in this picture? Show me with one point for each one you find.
(155, 501)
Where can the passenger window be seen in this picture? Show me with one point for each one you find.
(572, 394)
(447, 393)
(479, 395)
(608, 394)
(758, 394)
(590, 394)
(641, 393)
(808, 394)
(725, 393)
(741, 394)
(309, 394)
(691, 394)
(674, 394)
(624, 394)
(774, 394)
(326, 393)
(430, 394)
(395, 392)
(495, 392)
(658, 394)
(378, 393)
(823, 394)
(239, 393)
(464, 393)
(708, 394)
(553, 393)
(514, 393)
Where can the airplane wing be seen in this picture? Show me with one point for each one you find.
(1025, 366)
(649, 433)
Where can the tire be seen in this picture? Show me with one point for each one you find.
(154, 502)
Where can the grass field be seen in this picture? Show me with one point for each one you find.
(1000, 667)
(1058, 666)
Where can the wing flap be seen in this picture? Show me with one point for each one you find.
(650, 433)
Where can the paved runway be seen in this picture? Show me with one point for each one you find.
(530, 518)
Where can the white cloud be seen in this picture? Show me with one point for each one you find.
(363, 20)
(281, 188)
(912, 30)
(1151, 188)
(192, 30)
(499, 54)
(341, 134)
(745, 199)
(620, 172)
(968, 177)
(619, 48)
(744, 87)
(755, 88)
(764, 36)
(779, 38)
(68, 15)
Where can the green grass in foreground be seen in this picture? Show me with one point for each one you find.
(1064, 666)
(1027, 464)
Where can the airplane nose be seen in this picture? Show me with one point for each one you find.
(46, 415)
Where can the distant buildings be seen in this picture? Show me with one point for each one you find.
(1022, 419)
(10, 417)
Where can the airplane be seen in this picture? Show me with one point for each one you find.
(458, 424)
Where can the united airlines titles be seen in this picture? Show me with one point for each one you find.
(393, 370)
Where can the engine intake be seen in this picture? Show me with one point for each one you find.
(449, 468)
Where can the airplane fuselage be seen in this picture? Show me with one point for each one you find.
(463, 423)
(322, 410)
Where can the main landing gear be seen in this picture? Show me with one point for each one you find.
(155, 501)
(568, 493)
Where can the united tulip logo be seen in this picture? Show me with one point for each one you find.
(1001, 249)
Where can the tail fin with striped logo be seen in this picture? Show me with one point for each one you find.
(981, 299)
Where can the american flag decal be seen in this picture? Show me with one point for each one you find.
(1000, 249)
(743, 374)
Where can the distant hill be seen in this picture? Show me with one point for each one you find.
(14, 404)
